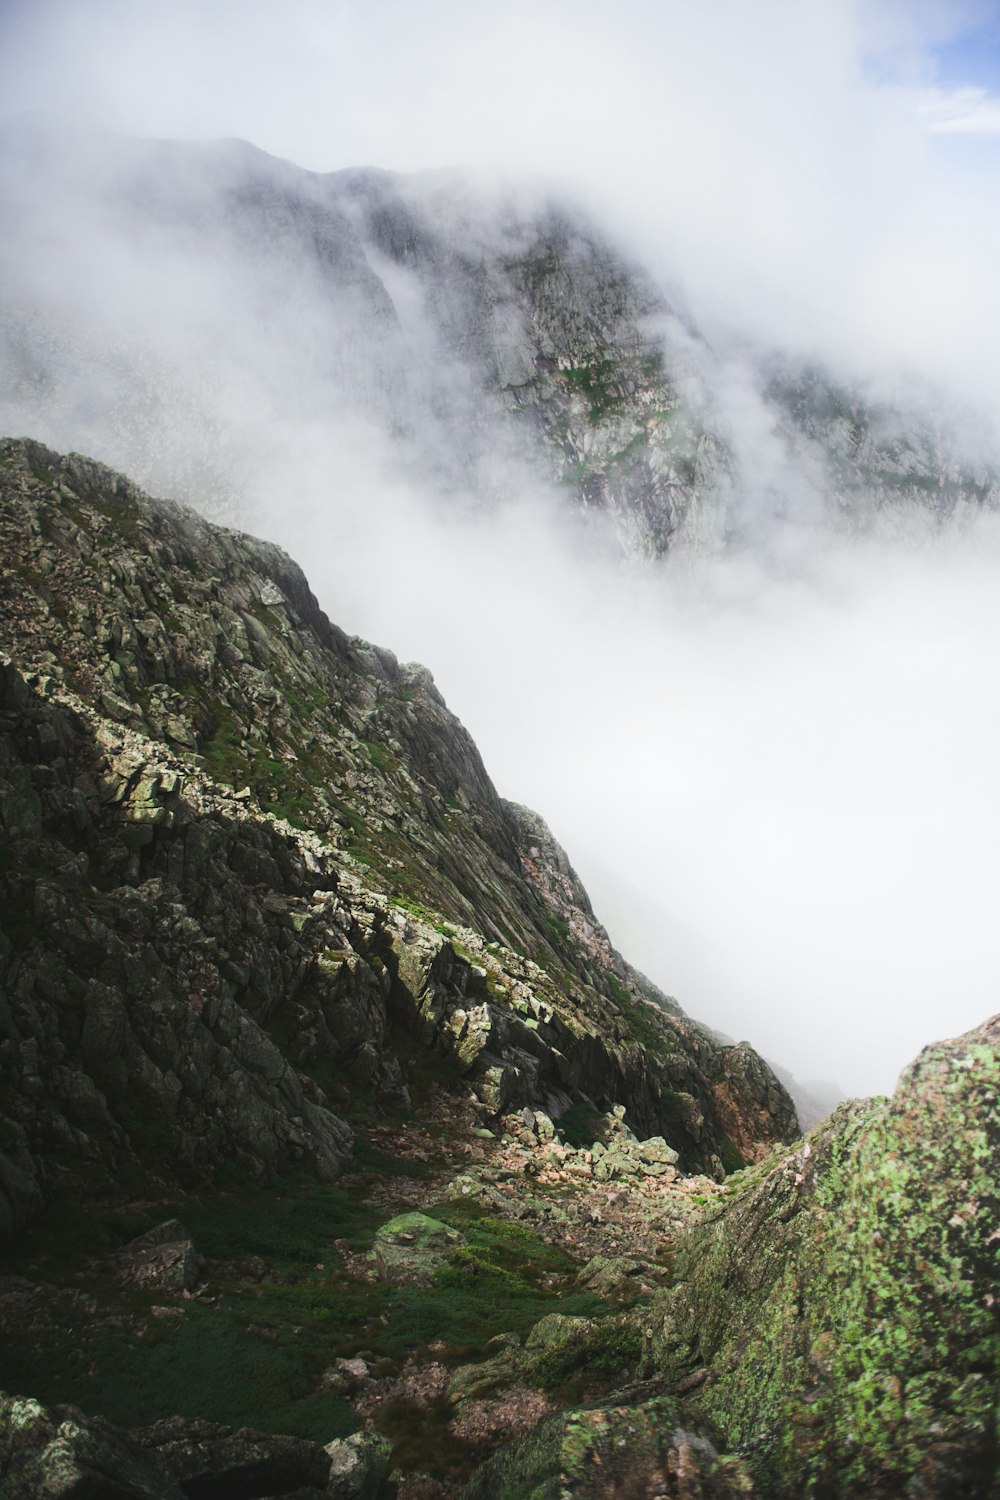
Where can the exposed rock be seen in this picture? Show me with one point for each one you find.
(611, 1452)
(359, 1468)
(485, 334)
(844, 1299)
(65, 1455)
(162, 1257)
(209, 1461)
(413, 1247)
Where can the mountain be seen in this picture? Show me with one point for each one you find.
(214, 319)
(304, 843)
(342, 1153)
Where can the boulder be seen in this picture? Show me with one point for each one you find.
(163, 1257)
(60, 1453)
(412, 1248)
(208, 1460)
(359, 1468)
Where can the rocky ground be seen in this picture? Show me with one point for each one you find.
(530, 1254)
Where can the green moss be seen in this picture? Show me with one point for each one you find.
(379, 756)
(595, 380)
(559, 926)
(252, 1357)
(224, 757)
(597, 1354)
(209, 1364)
(502, 1280)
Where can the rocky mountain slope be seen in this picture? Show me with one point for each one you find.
(240, 846)
(342, 1154)
(195, 311)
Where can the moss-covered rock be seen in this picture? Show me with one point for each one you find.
(843, 1307)
(413, 1247)
(603, 1453)
(61, 1453)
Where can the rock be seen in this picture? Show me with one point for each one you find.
(656, 1156)
(182, 885)
(611, 1275)
(345, 1375)
(163, 1257)
(359, 1468)
(209, 1460)
(843, 1300)
(59, 1452)
(613, 1450)
(412, 1248)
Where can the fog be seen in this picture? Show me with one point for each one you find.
(775, 767)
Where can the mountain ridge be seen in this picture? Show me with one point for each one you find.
(274, 748)
(496, 340)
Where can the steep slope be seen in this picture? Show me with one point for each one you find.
(242, 847)
(204, 313)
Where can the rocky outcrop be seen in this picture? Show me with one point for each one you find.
(876, 457)
(843, 1302)
(64, 1453)
(241, 848)
(600, 1454)
(61, 1452)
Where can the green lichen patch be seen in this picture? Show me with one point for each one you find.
(844, 1300)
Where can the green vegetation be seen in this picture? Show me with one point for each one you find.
(379, 756)
(643, 1020)
(730, 1157)
(503, 1280)
(858, 1334)
(596, 381)
(282, 1305)
(598, 1354)
(559, 926)
(578, 1126)
(253, 1356)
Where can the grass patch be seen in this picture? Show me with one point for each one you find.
(208, 1363)
(494, 1284)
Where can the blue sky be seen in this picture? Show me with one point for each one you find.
(971, 58)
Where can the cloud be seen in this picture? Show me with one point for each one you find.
(751, 149)
(961, 111)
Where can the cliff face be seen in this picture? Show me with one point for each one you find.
(491, 340)
(243, 851)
